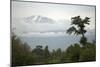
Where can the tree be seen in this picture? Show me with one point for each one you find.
(53, 54)
(20, 53)
(59, 52)
(26, 47)
(88, 53)
(56, 56)
(80, 30)
(72, 53)
(46, 54)
(39, 52)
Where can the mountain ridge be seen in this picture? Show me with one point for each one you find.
(38, 19)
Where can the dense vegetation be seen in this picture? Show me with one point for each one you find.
(78, 52)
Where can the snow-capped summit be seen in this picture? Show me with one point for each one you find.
(38, 19)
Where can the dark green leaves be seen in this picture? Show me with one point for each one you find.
(71, 30)
(79, 28)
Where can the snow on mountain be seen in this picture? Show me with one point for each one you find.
(38, 19)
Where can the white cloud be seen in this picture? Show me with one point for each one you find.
(22, 26)
(43, 34)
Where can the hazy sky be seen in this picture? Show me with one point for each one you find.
(28, 22)
(60, 13)
(54, 11)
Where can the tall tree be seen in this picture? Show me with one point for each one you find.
(39, 52)
(46, 54)
(59, 53)
(79, 27)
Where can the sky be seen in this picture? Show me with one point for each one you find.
(45, 20)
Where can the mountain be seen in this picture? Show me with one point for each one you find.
(38, 19)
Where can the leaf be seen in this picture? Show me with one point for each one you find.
(72, 29)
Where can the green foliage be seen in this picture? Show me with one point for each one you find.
(80, 30)
(71, 30)
(21, 54)
(46, 54)
(88, 53)
(72, 53)
(39, 52)
(83, 41)
(75, 53)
